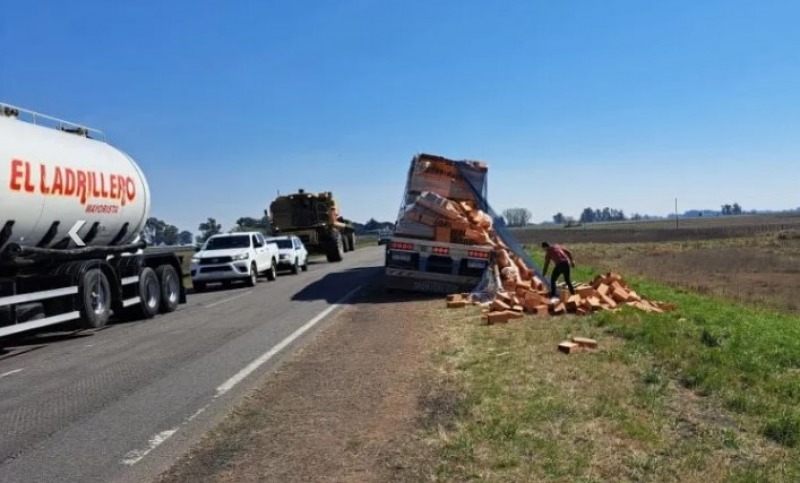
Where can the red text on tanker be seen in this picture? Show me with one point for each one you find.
(80, 183)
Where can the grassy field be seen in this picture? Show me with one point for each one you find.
(707, 393)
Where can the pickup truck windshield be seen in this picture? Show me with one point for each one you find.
(282, 243)
(226, 242)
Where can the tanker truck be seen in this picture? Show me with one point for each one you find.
(72, 208)
(315, 219)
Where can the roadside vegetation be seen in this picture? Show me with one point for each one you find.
(708, 392)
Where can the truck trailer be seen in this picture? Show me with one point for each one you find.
(432, 250)
(72, 209)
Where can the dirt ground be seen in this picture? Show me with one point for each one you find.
(761, 270)
(349, 406)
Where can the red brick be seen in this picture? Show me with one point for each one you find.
(569, 347)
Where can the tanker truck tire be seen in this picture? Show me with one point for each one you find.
(335, 247)
(150, 294)
(95, 294)
(170, 288)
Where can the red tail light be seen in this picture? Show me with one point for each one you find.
(440, 251)
(478, 254)
(401, 246)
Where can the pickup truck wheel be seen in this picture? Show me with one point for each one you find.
(272, 273)
(252, 279)
(170, 288)
(295, 267)
(304, 266)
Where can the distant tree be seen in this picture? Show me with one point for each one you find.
(736, 209)
(153, 230)
(247, 223)
(727, 209)
(159, 232)
(208, 228)
(558, 218)
(185, 237)
(372, 225)
(636, 217)
(517, 216)
(588, 216)
(171, 235)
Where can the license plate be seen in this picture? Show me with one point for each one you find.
(475, 264)
(401, 257)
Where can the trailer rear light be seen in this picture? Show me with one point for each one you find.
(478, 254)
(440, 251)
(402, 246)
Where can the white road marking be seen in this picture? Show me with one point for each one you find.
(11, 372)
(133, 457)
(239, 376)
(229, 299)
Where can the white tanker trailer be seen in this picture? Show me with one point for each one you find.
(53, 176)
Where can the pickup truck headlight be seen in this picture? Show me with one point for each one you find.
(241, 256)
(195, 259)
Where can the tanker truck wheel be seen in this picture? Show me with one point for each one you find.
(170, 288)
(335, 247)
(150, 294)
(95, 293)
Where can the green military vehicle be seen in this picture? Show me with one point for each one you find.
(315, 219)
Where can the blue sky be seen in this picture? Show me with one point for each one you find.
(626, 104)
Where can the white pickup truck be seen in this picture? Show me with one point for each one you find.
(235, 256)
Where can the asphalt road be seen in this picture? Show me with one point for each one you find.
(121, 403)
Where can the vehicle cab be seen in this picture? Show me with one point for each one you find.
(234, 257)
(292, 253)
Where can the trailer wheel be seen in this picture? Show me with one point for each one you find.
(335, 247)
(149, 293)
(95, 293)
(170, 288)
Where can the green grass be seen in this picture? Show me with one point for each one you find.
(709, 392)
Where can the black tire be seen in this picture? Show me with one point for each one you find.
(170, 288)
(335, 247)
(346, 243)
(150, 294)
(252, 278)
(295, 267)
(304, 266)
(351, 237)
(95, 294)
(272, 273)
(199, 287)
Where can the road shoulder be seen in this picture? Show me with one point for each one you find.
(346, 406)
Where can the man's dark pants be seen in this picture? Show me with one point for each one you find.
(561, 268)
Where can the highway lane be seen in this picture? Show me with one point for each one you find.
(120, 403)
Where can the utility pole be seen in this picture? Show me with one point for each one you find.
(676, 212)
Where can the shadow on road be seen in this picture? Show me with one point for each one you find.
(332, 287)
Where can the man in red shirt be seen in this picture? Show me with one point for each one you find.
(562, 260)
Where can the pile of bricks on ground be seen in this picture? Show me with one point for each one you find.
(605, 292)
